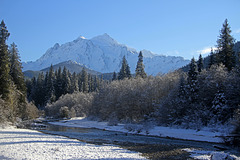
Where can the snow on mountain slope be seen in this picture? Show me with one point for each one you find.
(104, 54)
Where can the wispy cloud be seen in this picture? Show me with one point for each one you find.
(205, 50)
(237, 31)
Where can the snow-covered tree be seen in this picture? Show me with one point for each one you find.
(193, 81)
(219, 108)
(64, 112)
(225, 44)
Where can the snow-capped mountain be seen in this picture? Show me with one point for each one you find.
(104, 54)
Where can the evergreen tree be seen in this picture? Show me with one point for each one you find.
(96, 83)
(29, 88)
(31, 96)
(211, 59)
(140, 67)
(200, 63)
(5, 82)
(182, 89)
(192, 81)
(40, 90)
(128, 72)
(66, 85)
(125, 70)
(59, 83)
(114, 76)
(84, 77)
(225, 45)
(16, 71)
(91, 83)
(219, 108)
(192, 73)
(238, 60)
(74, 83)
(101, 78)
(50, 86)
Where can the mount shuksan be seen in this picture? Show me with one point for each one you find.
(104, 54)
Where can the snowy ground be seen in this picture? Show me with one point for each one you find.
(210, 155)
(186, 134)
(28, 144)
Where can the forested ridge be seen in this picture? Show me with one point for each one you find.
(206, 93)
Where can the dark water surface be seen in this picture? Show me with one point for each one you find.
(150, 146)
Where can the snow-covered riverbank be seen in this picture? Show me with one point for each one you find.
(28, 144)
(186, 134)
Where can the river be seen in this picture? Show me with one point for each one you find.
(150, 146)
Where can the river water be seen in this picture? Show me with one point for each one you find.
(93, 135)
(130, 141)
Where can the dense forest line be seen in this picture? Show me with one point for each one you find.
(13, 102)
(49, 87)
(196, 96)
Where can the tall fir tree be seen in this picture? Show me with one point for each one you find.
(84, 79)
(211, 59)
(59, 83)
(91, 83)
(200, 63)
(32, 90)
(125, 70)
(140, 67)
(128, 72)
(66, 83)
(193, 71)
(16, 71)
(193, 81)
(50, 85)
(74, 86)
(96, 83)
(40, 91)
(225, 44)
(5, 81)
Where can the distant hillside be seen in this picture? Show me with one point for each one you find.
(30, 74)
(72, 67)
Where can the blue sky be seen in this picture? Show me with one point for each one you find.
(172, 27)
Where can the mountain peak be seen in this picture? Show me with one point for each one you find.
(81, 37)
(104, 36)
(56, 46)
(104, 39)
(103, 54)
